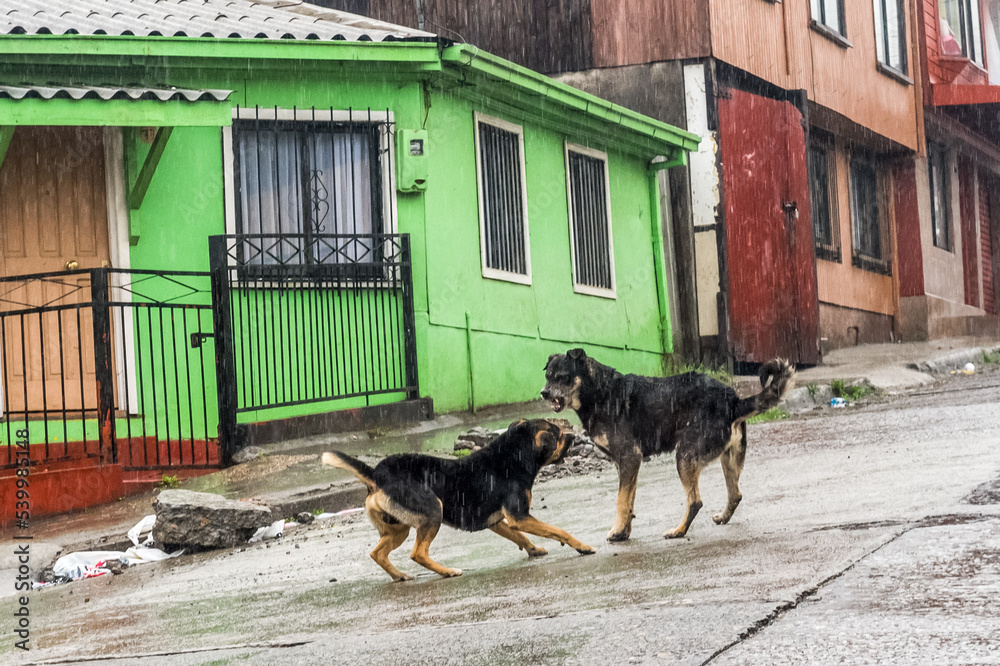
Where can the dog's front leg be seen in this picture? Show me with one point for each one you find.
(628, 474)
(531, 525)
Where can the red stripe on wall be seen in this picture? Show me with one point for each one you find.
(911, 257)
(986, 245)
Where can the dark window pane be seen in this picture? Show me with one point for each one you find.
(589, 215)
(503, 210)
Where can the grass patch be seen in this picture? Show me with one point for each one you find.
(773, 414)
(671, 367)
(851, 392)
(813, 389)
(460, 453)
(169, 482)
(991, 357)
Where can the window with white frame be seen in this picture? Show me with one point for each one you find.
(588, 196)
(890, 34)
(937, 171)
(503, 211)
(866, 216)
(308, 177)
(829, 14)
(961, 31)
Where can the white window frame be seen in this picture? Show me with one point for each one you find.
(611, 293)
(488, 272)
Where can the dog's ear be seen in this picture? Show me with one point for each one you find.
(517, 424)
(576, 354)
(549, 362)
(546, 444)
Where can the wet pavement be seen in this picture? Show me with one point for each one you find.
(867, 534)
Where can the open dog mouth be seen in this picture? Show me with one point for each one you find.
(558, 404)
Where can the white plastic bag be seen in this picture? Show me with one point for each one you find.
(274, 531)
(144, 525)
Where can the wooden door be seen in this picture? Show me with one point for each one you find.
(773, 307)
(968, 229)
(53, 210)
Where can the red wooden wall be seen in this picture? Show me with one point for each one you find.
(772, 281)
(909, 250)
(967, 222)
(986, 244)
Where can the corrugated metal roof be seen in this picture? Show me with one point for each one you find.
(106, 93)
(245, 19)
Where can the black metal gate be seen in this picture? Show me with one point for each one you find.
(98, 364)
(309, 319)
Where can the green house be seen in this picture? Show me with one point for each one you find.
(395, 216)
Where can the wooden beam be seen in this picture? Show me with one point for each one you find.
(137, 192)
(6, 134)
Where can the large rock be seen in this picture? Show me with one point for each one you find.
(205, 520)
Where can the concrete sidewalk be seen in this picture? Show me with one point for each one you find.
(898, 366)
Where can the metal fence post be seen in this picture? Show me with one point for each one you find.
(225, 375)
(103, 370)
(409, 321)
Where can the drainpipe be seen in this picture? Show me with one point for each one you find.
(420, 14)
(656, 232)
(468, 350)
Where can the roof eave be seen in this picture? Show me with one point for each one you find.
(670, 138)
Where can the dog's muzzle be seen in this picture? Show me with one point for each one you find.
(558, 402)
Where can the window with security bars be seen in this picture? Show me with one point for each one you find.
(503, 218)
(866, 213)
(590, 221)
(309, 178)
(822, 180)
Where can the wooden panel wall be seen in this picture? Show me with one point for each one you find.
(986, 241)
(773, 41)
(628, 32)
(551, 37)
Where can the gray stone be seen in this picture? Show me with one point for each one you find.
(205, 520)
(304, 518)
(247, 453)
(476, 438)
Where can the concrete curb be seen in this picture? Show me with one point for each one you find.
(953, 360)
(331, 498)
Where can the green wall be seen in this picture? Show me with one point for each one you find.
(513, 328)
(480, 341)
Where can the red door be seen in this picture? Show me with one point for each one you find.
(772, 277)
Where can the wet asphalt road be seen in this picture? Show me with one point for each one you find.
(866, 535)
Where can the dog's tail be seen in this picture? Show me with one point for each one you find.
(776, 378)
(359, 469)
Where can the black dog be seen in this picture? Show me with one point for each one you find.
(489, 488)
(631, 417)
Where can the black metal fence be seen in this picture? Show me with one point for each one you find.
(311, 318)
(100, 363)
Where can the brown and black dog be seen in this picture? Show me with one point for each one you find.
(631, 417)
(488, 489)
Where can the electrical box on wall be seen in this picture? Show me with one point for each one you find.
(411, 160)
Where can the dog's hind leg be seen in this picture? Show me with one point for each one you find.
(628, 475)
(732, 466)
(504, 530)
(393, 535)
(426, 531)
(689, 469)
